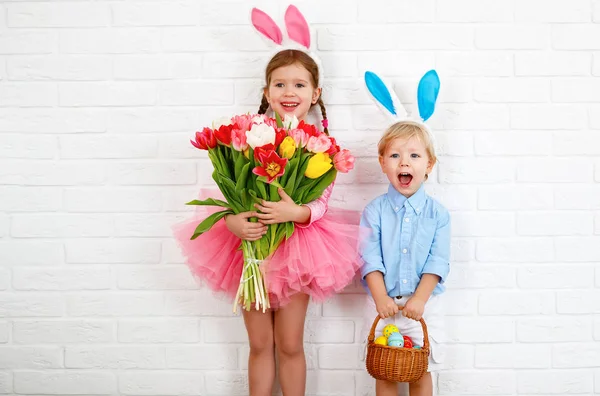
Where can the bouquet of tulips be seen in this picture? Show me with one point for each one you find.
(253, 156)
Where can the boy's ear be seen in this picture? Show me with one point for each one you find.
(430, 165)
(381, 163)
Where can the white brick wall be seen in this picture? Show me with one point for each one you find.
(99, 98)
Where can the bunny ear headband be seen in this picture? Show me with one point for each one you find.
(297, 31)
(388, 102)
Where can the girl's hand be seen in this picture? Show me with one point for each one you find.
(282, 211)
(240, 226)
(386, 307)
(414, 308)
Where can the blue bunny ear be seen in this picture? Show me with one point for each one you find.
(379, 91)
(427, 94)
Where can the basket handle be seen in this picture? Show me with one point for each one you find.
(423, 325)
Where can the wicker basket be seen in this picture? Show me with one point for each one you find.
(397, 364)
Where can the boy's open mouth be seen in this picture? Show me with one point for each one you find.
(405, 178)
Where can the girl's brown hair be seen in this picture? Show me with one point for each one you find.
(290, 57)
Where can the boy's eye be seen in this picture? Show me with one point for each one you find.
(414, 155)
(394, 156)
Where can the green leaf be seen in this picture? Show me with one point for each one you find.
(291, 182)
(273, 194)
(260, 186)
(303, 165)
(289, 168)
(242, 178)
(289, 229)
(239, 161)
(228, 189)
(209, 202)
(321, 185)
(278, 119)
(209, 222)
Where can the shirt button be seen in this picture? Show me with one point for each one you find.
(396, 208)
(404, 281)
(404, 250)
(406, 220)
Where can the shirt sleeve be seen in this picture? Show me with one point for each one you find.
(318, 207)
(438, 260)
(370, 242)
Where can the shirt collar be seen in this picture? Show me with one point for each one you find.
(415, 202)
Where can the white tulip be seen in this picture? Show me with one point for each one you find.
(290, 122)
(259, 135)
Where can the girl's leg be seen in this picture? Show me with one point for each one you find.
(261, 362)
(289, 339)
(386, 388)
(423, 387)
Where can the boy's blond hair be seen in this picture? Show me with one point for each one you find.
(406, 130)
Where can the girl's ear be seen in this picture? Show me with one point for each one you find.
(266, 93)
(427, 94)
(266, 26)
(316, 95)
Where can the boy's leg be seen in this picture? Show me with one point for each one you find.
(423, 387)
(386, 388)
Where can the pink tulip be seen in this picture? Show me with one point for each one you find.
(343, 161)
(238, 139)
(318, 144)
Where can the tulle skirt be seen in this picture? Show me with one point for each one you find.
(318, 260)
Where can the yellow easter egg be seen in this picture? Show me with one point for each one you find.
(381, 340)
(389, 329)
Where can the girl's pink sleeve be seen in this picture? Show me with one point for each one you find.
(318, 207)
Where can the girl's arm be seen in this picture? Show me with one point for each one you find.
(317, 208)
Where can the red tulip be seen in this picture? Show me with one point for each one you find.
(272, 167)
(205, 140)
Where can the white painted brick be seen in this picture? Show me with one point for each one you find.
(171, 252)
(196, 93)
(561, 382)
(174, 146)
(70, 14)
(18, 146)
(152, 173)
(555, 170)
(234, 65)
(516, 37)
(553, 330)
(62, 279)
(552, 63)
(580, 355)
(28, 94)
(143, 278)
(63, 332)
(476, 383)
(560, 11)
(578, 302)
(5, 279)
(482, 170)
(468, 329)
(4, 332)
(596, 59)
(515, 197)
(329, 331)
(471, 117)
(219, 331)
(346, 92)
(122, 251)
(509, 250)
(197, 303)
(143, 120)
(81, 94)
(6, 383)
(340, 357)
(115, 304)
(30, 358)
(340, 64)
(329, 382)
(470, 224)
(114, 357)
(459, 302)
(153, 67)
(462, 250)
(482, 276)
(237, 38)
(61, 225)
(385, 64)
(107, 147)
(147, 383)
(44, 173)
(202, 357)
(23, 41)
(146, 225)
(471, 64)
(555, 223)
(474, 11)
(454, 143)
(576, 143)
(577, 196)
(552, 117)
(248, 92)
(596, 15)
(109, 41)
(59, 67)
(454, 197)
(578, 249)
(459, 357)
(513, 356)
(39, 120)
(575, 90)
(575, 37)
(395, 11)
(597, 329)
(65, 383)
(344, 305)
(156, 13)
(224, 383)
(31, 305)
(4, 225)
(112, 200)
(517, 90)
(151, 331)
(516, 303)
(566, 276)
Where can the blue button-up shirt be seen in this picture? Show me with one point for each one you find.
(405, 239)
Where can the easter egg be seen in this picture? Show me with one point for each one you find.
(416, 347)
(389, 329)
(407, 342)
(381, 340)
(395, 340)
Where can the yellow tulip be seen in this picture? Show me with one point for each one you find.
(287, 148)
(318, 165)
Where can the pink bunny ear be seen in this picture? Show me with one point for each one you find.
(265, 25)
(296, 26)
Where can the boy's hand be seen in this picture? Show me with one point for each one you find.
(386, 306)
(414, 308)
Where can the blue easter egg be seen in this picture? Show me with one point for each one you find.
(396, 340)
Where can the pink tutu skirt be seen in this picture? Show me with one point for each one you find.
(318, 260)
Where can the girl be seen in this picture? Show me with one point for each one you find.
(318, 260)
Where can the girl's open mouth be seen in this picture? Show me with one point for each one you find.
(289, 106)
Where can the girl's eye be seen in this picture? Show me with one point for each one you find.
(299, 85)
(279, 85)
